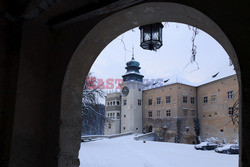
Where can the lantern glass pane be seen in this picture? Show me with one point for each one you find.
(160, 34)
(147, 33)
(142, 37)
(155, 36)
(146, 36)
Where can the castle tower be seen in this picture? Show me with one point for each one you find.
(131, 109)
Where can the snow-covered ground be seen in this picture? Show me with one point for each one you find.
(127, 152)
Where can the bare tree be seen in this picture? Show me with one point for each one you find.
(235, 113)
(92, 111)
(194, 48)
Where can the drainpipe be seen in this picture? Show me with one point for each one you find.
(196, 120)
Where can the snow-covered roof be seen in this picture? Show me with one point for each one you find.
(222, 72)
(172, 79)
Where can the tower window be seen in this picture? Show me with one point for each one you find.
(109, 126)
(118, 103)
(124, 102)
(139, 102)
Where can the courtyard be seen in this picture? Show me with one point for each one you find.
(127, 152)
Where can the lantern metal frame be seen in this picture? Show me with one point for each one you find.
(151, 36)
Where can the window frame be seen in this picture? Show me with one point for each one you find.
(192, 113)
(213, 101)
(229, 110)
(139, 102)
(124, 102)
(168, 112)
(150, 114)
(158, 113)
(192, 101)
(150, 102)
(230, 94)
(185, 109)
(158, 99)
(185, 101)
(168, 99)
(204, 99)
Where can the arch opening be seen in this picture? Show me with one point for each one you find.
(96, 41)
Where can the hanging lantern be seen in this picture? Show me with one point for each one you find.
(151, 36)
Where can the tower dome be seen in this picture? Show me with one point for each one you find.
(133, 73)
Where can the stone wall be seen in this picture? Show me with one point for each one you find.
(214, 116)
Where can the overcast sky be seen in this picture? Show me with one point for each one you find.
(170, 59)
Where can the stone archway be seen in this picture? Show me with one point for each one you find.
(97, 39)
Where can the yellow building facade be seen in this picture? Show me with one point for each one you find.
(182, 113)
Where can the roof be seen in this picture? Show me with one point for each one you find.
(220, 73)
(172, 79)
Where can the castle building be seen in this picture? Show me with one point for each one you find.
(177, 111)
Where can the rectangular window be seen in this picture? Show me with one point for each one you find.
(158, 113)
(230, 111)
(158, 100)
(205, 99)
(230, 95)
(109, 126)
(150, 102)
(118, 115)
(168, 99)
(185, 99)
(213, 98)
(150, 115)
(168, 112)
(192, 100)
(193, 113)
(124, 102)
(139, 102)
(185, 112)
